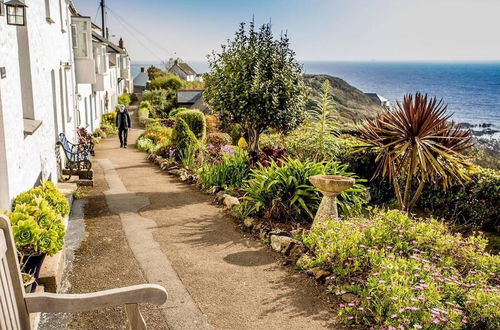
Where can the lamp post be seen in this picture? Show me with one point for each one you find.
(16, 12)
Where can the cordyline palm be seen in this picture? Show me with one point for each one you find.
(415, 141)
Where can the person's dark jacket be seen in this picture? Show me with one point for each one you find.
(123, 119)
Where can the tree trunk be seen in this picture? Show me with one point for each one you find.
(253, 140)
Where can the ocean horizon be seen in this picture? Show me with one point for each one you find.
(471, 89)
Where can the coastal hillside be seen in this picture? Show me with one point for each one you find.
(351, 103)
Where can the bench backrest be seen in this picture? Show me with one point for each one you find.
(13, 311)
(64, 142)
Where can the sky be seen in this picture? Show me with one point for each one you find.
(319, 30)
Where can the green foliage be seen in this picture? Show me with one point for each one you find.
(125, 99)
(50, 193)
(218, 139)
(284, 193)
(255, 81)
(303, 145)
(322, 121)
(415, 142)
(154, 72)
(182, 136)
(155, 136)
(228, 174)
(474, 203)
(109, 118)
(167, 82)
(37, 220)
(161, 101)
(409, 273)
(196, 122)
(174, 112)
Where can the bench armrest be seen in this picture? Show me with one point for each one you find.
(73, 303)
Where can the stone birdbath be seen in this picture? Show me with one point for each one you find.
(331, 186)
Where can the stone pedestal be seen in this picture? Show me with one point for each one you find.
(331, 186)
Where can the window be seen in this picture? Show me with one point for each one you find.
(47, 12)
(15, 15)
(2, 8)
(81, 39)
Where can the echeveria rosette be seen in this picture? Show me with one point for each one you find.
(48, 242)
(15, 217)
(26, 233)
(24, 208)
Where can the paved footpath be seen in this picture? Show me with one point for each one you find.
(215, 276)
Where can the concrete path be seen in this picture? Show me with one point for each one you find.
(216, 277)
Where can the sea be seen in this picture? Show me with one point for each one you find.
(471, 89)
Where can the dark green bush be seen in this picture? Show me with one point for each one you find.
(476, 202)
(196, 122)
(182, 136)
(161, 100)
(283, 192)
(174, 112)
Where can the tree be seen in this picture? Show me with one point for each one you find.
(255, 81)
(154, 72)
(415, 141)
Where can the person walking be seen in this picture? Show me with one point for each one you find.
(123, 123)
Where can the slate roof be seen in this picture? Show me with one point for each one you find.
(185, 68)
(189, 96)
(111, 47)
(141, 79)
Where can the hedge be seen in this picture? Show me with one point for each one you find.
(195, 119)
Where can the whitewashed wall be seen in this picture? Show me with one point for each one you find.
(24, 159)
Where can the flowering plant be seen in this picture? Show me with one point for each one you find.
(407, 273)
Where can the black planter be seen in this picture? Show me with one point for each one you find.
(32, 266)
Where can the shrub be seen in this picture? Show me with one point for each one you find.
(213, 124)
(474, 203)
(230, 173)
(50, 193)
(284, 193)
(182, 136)
(109, 118)
(145, 104)
(407, 272)
(125, 99)
(109, 129)
(143, 113)
(174, 112)
(161, 101)
(166, 82)
(218, 139)
(37, 220)
(196, 122)
(267, 155)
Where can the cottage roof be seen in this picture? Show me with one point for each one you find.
(189, 96)
(184, 67)
(141, 80)
(375, 96)
(111, 47)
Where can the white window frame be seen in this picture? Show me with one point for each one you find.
(2, 8)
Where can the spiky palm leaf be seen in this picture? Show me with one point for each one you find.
(416, 140)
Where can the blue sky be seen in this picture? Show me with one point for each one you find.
(320, 30)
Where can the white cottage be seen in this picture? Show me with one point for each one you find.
(55, 76)
(37, 93)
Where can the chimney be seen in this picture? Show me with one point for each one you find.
(142, 69)
(121, 44)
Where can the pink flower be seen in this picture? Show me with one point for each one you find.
(393, 316)
(417, 326)
(406, 320)
(341, 305)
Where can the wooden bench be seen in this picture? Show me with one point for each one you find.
(16, 305)
(77, 157)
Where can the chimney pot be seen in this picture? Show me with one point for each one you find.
(121, 44)
(142, 69)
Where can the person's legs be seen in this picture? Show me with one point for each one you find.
(120, 136)
(125, 136)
